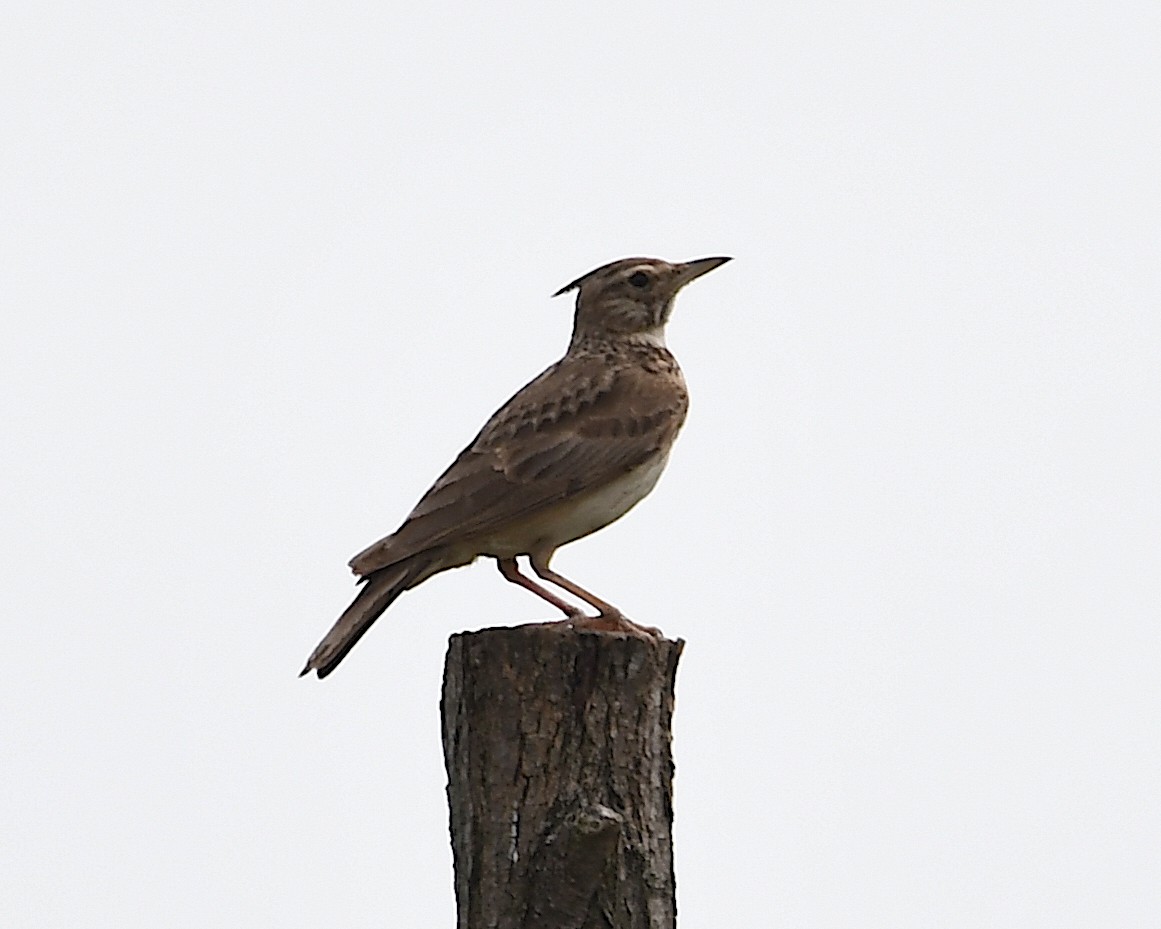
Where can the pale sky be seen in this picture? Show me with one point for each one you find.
(266, 268)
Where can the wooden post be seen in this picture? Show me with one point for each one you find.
(560, 778)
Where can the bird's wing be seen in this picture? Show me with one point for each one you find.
(578, 425)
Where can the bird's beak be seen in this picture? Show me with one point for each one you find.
(691, 270)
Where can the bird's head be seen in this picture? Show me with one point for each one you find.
(631, 297)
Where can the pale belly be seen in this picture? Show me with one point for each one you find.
(579, 516)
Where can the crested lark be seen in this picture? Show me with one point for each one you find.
(570, 453)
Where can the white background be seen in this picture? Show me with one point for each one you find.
(266, 268)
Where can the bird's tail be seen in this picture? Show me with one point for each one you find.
(380, 590)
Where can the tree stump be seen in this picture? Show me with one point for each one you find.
(560, 778)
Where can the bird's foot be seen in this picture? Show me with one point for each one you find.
(613, 622)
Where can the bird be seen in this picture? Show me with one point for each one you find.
(572, 451)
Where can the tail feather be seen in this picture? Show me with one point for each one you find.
(380, 591)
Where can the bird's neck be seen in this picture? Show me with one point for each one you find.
(587, 343)
(646, 354)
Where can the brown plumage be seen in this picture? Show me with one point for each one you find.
(572, 451)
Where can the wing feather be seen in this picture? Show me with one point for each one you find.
(574, 427)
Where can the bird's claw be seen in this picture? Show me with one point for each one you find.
(612, 622)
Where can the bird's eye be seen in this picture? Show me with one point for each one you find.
(638, 278)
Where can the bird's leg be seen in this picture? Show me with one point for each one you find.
(511, 571)
(610, 619)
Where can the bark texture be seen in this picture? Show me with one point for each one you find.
(560, 778)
